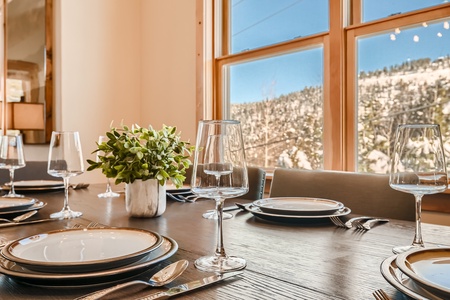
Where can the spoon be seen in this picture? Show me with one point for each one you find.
(162, 277)
(21, 217)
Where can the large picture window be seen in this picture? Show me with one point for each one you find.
(327, 90)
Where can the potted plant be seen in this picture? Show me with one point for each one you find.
(144, 159)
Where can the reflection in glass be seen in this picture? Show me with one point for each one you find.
(29, 59)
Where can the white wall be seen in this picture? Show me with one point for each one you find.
(168, 60)
(130, 60)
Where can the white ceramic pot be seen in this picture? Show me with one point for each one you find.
(145, 199)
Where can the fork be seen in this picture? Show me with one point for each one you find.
(368, 224)
(380, 295)
(338, 222)
(349, 223)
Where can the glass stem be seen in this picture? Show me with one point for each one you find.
(418, 241)
(108, 186)
(220, 250)
(11, 177)
(66, 193)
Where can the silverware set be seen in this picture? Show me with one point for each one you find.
(182, 196)
(159, 279)
(362, 223)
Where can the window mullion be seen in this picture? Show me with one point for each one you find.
(333, 99)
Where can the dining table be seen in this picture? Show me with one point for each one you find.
(308, 259)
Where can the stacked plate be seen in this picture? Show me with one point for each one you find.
(35, 185)
(15, 206)
(296, 208)
(84, 256)
(420, 274)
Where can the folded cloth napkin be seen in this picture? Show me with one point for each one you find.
(179, 195)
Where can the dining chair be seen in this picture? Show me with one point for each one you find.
(364, 193)
(33, 170)
(256, 182)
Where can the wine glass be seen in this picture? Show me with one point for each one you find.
(109, 193)
(219, 172)
(418, 167)
(11, 158)
(65, 160)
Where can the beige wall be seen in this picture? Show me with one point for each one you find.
(130, 60)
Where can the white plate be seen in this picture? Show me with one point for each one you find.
(36, 183)
(298, 206)
(403, 283)
(430, 268)
(12, 204)
(256, 211)
(82, 250)
(168, 248)
(36, 206)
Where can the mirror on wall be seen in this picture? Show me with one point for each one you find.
(29, 82)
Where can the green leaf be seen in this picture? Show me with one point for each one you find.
(143, 153)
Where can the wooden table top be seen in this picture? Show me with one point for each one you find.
(285, 261)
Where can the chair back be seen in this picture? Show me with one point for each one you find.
(33, 170)
(364, 193)
(256, 182)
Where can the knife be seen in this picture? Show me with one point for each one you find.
(183, 288)
(25, 223)
(226, 208)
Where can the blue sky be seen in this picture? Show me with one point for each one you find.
(261, 22)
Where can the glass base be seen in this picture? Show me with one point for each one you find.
(108, 195)
(10, 195)
(212, 215)
(220, 264)
(401, 249)
(66, 214)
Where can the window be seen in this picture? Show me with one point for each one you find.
(258, 23)
(323, 84)
(409, 85)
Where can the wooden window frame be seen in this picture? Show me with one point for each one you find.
(339, 135)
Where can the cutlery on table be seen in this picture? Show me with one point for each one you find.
(162, 277)
(338, 222)
(189, 198)
(175, 197)
(26, 223)
(380, 295)
(79, 186)
(350, 223)
(189, 286)
(242, 206)
(21, 217)
(368, 224)
(226, 208)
